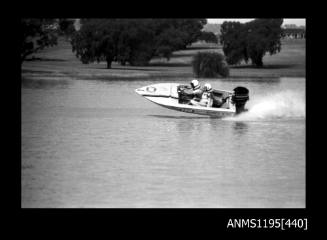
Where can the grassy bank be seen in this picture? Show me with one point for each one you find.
(60, 62)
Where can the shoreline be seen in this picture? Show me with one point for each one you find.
(60, 62)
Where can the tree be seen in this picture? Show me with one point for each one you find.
(134, 41)
(94, 42)
(192, 29)
(139, 47)
(263, 36)
(66, 26)
(251, 40)
(120, 40)
(208, 37)
(36, 34)
(233, 39)
(168, 41)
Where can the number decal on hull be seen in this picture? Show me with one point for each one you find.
(151, 89)
(187, 110)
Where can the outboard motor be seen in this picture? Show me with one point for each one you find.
(239, 98)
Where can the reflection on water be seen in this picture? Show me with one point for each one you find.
(178, 117)
(45, 84)
(240, 127)
(99, 144)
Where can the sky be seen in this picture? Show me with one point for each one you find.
(296, 21)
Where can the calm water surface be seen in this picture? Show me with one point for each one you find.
(99, 144)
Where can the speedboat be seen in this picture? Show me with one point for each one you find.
(177, 97)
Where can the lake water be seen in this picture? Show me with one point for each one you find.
(97, 144)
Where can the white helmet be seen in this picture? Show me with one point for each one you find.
(195, 83)
(207, 86)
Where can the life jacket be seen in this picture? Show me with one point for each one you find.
(207, 97)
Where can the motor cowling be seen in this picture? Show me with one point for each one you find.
(239, 98)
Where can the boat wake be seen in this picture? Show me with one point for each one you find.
(282, 105)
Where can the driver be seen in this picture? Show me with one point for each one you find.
(197, 91)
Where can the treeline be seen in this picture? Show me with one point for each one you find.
(133, 41)
(137, 41)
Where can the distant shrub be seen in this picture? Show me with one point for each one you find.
(210, 65)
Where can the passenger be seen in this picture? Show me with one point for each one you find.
(206, 99)
(197, 92)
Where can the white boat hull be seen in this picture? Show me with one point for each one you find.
(166, 95)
